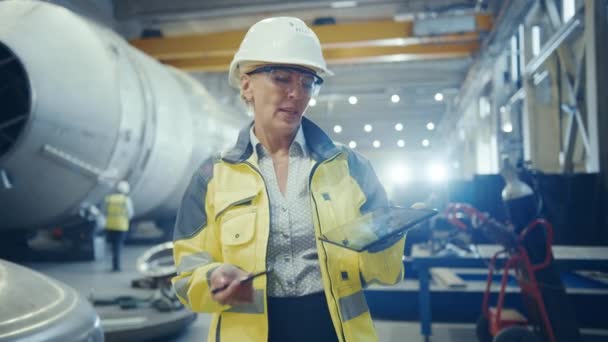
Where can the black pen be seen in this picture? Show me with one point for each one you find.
(250, 277)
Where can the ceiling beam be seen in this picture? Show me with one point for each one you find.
(349, 55)
(361, 42)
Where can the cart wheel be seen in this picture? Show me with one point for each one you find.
(483, 329)
(516, 334)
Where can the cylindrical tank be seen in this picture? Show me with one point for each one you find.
(80, 109)
(38, 308)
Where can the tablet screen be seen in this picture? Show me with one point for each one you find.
(375, 227)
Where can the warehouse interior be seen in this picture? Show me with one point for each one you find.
(488, 113)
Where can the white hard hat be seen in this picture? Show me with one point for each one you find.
(280, 40)
(123, 187)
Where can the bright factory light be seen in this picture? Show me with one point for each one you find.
(426, 142)
(312, 102)
(368, 128)
(439, 97)
(437, 172)
(399, 127)
(352, 144)
(352, 100)
(399, 174)
(400, 143)
(337, 128)
(430, 126)
(376, 143)
(395, 98)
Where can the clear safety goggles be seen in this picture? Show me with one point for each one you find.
(284, 76)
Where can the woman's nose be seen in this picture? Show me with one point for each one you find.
(296, 91)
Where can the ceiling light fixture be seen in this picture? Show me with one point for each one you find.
(343, 4)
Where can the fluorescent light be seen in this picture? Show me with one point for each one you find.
(368, 128)
(312, 102)
(352, 100)
(337, 128)
(535, 40)
(439, 97)
(395, 98)
(430, 126)
(352, 144)
(343, 4)
(376, 143)
(399, 127)
(568, 9)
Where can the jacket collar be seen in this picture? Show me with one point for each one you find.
(320, 145)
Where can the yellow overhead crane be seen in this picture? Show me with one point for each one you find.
(357, 42)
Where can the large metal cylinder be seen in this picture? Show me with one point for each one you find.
(39, 308)
(80, 109)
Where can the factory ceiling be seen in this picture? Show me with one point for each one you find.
(404, 61)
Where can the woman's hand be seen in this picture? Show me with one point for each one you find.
(226, 280)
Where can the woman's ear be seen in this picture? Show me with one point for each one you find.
(246, 91)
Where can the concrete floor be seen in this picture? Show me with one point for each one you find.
(95, 278)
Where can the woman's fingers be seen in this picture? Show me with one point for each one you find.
(235, 293)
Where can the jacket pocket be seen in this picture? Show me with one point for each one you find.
(237, 235)
(238, 226)
(236, 218)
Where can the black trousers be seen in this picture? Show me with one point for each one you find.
(300, 319)
(116, 239)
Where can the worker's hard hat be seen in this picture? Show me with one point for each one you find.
(280, 40)
(123, 187)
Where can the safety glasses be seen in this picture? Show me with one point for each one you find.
(285, 76)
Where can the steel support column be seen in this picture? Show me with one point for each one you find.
(596, 55)
(596, 22)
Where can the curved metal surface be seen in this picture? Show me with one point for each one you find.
(38, 308)
(101, 112)
(157, 262)
(145, 324)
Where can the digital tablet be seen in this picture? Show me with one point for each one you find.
(376, 227)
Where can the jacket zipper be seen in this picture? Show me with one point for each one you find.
(267, 237)
(331, 287)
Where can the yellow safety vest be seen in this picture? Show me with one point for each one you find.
(117, 212)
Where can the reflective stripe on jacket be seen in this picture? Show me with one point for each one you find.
(224, 218)
(117, 212)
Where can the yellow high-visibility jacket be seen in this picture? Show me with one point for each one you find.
(117, 212)
(224, 218)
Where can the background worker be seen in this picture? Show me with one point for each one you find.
(119, 211)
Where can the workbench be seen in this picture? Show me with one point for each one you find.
(566, 258)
